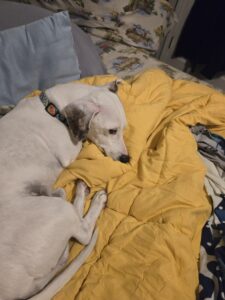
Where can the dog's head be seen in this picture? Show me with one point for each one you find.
(100, 117)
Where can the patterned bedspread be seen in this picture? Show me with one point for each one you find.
(126, 61)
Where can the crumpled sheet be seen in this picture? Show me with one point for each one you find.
(212, 260)
(150, 230)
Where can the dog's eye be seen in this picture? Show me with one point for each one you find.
(112, 131)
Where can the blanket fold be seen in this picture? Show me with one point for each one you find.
(149, 233)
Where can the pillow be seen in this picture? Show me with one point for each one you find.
(36, 56)
(15, 14)
(88, 54)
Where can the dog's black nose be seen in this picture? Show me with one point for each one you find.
(124, 158)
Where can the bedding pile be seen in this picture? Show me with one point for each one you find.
(212, 260)
(150, 231)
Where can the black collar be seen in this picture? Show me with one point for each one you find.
(52, 109)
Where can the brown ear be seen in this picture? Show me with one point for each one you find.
(78, 120)
(113, 86)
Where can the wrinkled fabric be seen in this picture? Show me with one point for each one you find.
(210, 145)
(212, 252)
(149, 233)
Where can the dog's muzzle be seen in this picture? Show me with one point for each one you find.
(124, 158)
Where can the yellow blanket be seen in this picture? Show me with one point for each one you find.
(149, 233)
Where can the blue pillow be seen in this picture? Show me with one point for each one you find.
(36, 56)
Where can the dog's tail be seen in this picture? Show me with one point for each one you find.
(59, 281)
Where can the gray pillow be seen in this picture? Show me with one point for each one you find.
(16, 14)
(37, 55)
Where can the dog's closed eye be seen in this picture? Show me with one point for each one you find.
(112, 131)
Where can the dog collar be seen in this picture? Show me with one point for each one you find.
(52, 109)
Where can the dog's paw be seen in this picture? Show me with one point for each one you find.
(101, 198)
(82, 188)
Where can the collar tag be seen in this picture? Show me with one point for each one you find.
(52, 109)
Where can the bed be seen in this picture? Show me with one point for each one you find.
(161, 234)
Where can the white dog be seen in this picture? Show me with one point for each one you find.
(39, 137)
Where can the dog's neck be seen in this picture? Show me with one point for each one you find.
(52, 109)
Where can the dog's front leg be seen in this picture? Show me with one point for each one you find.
(97, 204)
(82, 192)
(84, 233)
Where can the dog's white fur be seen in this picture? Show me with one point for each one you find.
(36, 223)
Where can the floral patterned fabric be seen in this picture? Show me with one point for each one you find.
(140, 23)
(126, 61)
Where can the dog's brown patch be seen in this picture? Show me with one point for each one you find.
(78, 123)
